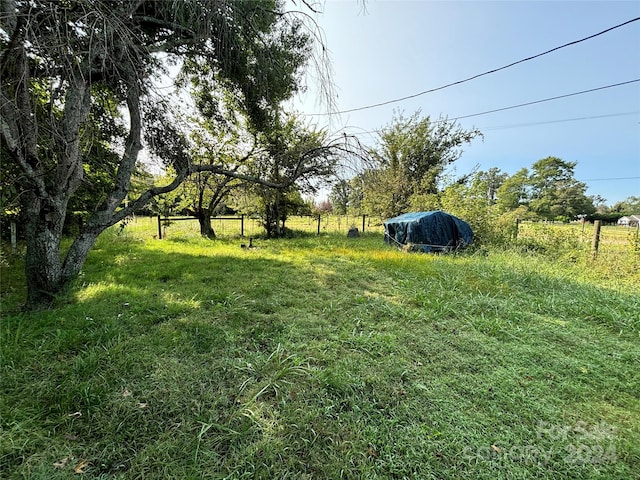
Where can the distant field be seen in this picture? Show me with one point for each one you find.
(322, 357)
(148, 226)
(230, 226)
(609, 235)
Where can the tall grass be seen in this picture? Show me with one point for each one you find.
(323, 357)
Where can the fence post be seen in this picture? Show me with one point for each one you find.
(318, 224)
(14, 240)
(596, 239)
(159, 228)
(242, 225)
(364, 215)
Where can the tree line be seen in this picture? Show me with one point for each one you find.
(410, 173)
(79, 102)
(80, 107)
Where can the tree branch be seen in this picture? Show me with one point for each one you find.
(248, 178)
(145, 197)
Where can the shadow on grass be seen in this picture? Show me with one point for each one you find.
(313, 358)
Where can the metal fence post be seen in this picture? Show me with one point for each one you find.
(159, 228)
(596, 239)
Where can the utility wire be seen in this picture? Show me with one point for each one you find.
(609, 179)
(517, 125)
(547, 99)
(478, 75)
(548, 122)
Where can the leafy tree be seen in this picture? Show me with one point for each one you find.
(217, 141)
(64, 63)
(489, 182)
(555, 193)
(356, 195)
(514, 191)
(383, 193)
(339, 196)
(628, 206)
(324, 206)
(291, 150)
(412, 156)
(470, 201)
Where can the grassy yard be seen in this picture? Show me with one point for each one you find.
(323, 357)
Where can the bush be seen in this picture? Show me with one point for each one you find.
(553, 241)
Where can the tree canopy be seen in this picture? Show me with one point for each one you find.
(555, 192)
(77, 102)
(412, 155)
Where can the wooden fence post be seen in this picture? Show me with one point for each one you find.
(159, 228)
(596, 239)
(318, 224)
(363, 217)
(242, 225)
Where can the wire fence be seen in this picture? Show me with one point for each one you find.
(247, 226)
(551, 234)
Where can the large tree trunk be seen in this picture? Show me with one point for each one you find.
(43, 267)
(46, 203)
(206, 230)
(46, 274)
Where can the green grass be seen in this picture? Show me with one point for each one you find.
(323, 357)
(230, 225)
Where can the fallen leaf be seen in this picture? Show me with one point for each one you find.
(142, 405)
(496, 448)
(372, 452)
(80, 467)
(75, 414)
(61, 463)
(126, 393)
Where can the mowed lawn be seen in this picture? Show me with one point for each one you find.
(323, 358)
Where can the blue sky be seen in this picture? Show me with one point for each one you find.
(392, 49)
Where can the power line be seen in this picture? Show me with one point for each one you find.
(609, 179)
(478, 75)
(545, 122)
(547, 99)
(548, 122)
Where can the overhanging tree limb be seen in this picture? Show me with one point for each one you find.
(58, 57)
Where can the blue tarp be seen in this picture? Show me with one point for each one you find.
(428, 231)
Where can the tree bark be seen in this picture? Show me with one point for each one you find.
(46, 274)
(206, 230)
(43, 267)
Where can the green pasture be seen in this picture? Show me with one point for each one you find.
(323, 357)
